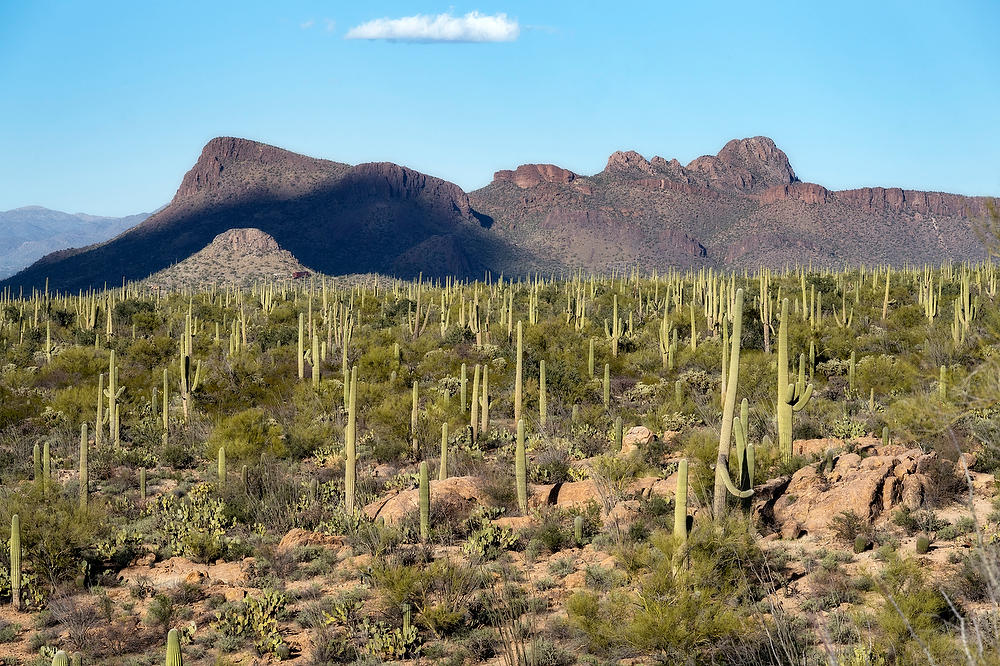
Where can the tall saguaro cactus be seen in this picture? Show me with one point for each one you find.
(350, 446)
(425, 502)
(791, 397)
(723, 482)
(519, 374)
(521, 470)
(84, 471)
(543, 399)
(443, 470)
(681, 502)
(15, 561)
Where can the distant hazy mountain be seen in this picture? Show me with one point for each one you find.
(28, 234)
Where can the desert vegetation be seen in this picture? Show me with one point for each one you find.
(770, 467)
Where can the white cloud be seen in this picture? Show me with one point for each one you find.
(329, 24)
(305, 25)
(473, 27)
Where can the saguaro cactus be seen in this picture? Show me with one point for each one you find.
(745, 450)
(521, 470)
(414, 414)
(174, 657)
(222, 465)
(519, 374)
(723, 482)
(142, 483)
(15, 561)
(37, 455)
(425, 502)
(60, 659)
(578, 530)
(607, 385)
(791, 397)
(681, 502)
(84, 472)
(46, 467)
(301, 356)
(350, 445)
(543, 399)
(443, 471)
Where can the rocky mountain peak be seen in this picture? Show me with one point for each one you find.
(529, 175)
(239, 165)
(628, 160)
(747, 165)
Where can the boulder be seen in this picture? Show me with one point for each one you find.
(464, 490)
(871, 487)
(296, 538)
(636, 437)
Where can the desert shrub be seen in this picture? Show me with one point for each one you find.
(684, 612)
(246, 435)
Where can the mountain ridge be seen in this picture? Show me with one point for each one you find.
(743, 206)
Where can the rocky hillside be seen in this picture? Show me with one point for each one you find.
(238, 256)
(744, 206)
(31, 232)
(338, 219)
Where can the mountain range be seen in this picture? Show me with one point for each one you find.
(742, 207)
(31, 232)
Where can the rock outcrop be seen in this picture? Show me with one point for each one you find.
(529, 175)
(872, 487)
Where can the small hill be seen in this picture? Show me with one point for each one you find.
(238, 256)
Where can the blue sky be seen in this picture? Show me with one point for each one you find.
(105, 105)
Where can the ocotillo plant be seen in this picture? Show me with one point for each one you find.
(521, 470)
(350, 446)
(174, 657)
(84, 471)
(425, 502)
(723, 482)
(791, 397)
(15, 561)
